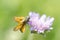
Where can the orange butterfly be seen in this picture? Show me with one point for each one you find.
(21, 23)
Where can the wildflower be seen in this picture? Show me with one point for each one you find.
(40, 24)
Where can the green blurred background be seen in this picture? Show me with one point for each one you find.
(11, 8)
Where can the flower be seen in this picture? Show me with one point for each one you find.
(40, 24)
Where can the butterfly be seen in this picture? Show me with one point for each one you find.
(21, 23)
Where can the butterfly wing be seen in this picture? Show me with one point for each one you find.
(18, 27)
(22, 29)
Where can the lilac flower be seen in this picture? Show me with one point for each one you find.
(40, 24)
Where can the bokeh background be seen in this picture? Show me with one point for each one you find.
(11, 8)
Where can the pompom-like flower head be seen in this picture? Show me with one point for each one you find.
(40, 24)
